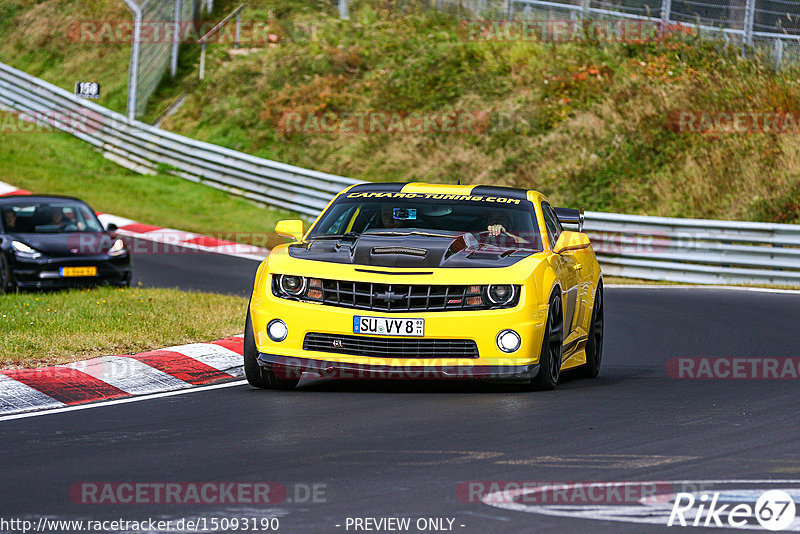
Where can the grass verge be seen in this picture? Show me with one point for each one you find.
(590, 123)
(56, 163)
(61, 327)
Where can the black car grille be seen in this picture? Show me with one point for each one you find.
(380, 347)
(404, 297)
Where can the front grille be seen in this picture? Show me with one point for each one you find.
(380, 347)
(403, 297)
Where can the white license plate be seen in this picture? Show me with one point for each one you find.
(388, 326)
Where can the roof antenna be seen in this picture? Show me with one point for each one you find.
(459, 181)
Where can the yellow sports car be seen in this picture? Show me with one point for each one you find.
(425, 281)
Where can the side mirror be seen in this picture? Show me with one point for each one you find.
(292, 229)
(111, 227)
(568, 241)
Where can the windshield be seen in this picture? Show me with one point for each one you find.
(55, 217)
(492, 221)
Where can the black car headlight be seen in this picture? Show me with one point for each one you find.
(290, 285)
(24, 251)
(118, 248)
(298, 287)
(500, 294)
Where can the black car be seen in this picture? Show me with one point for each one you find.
(57, 242)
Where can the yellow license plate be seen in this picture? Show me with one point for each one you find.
(78, 271)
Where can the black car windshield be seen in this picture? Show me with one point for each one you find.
(56, 217)
(492, 221)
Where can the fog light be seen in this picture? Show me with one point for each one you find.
(277, 330)
(508, 341)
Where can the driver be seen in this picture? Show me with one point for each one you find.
(499, 224)
(65, 224)
(387, 217)
(10, 220)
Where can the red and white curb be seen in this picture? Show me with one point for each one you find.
(169, 237)
(115, 377)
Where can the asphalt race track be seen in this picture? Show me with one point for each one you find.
(379, 449)
(189, 269)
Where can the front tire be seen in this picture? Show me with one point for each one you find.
(5, 275)
(552, 347)
(258, 376)
(594, 346)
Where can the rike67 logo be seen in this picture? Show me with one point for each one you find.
(774, 510)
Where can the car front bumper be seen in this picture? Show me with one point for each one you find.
(293, 368)
(44, 273)
(481, 327)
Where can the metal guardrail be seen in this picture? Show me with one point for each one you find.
(654, 248)
(695, 250)
(144, 148)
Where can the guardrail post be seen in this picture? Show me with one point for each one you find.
(133, 68)
(344, 14)
(585, 5)
(749, 20)
(778, 53)
(173, 63)
(238, 29)
(666, 11)
(203, 60)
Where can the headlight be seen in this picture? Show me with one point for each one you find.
(500, 294)
(118, 248)
(25, 250)
(293, 286)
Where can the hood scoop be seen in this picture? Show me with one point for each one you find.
(408, 251)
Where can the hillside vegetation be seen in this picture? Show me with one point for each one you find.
(588, 123)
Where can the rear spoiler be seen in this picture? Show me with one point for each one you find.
(571, 217)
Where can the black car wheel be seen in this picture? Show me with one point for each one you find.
(5, 275)
(594, 346)
(552, 347)
(258, 376)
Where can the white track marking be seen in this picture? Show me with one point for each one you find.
(212, 355)
(16, 396)
(126, 400)
(6, 189)
(129, 375)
